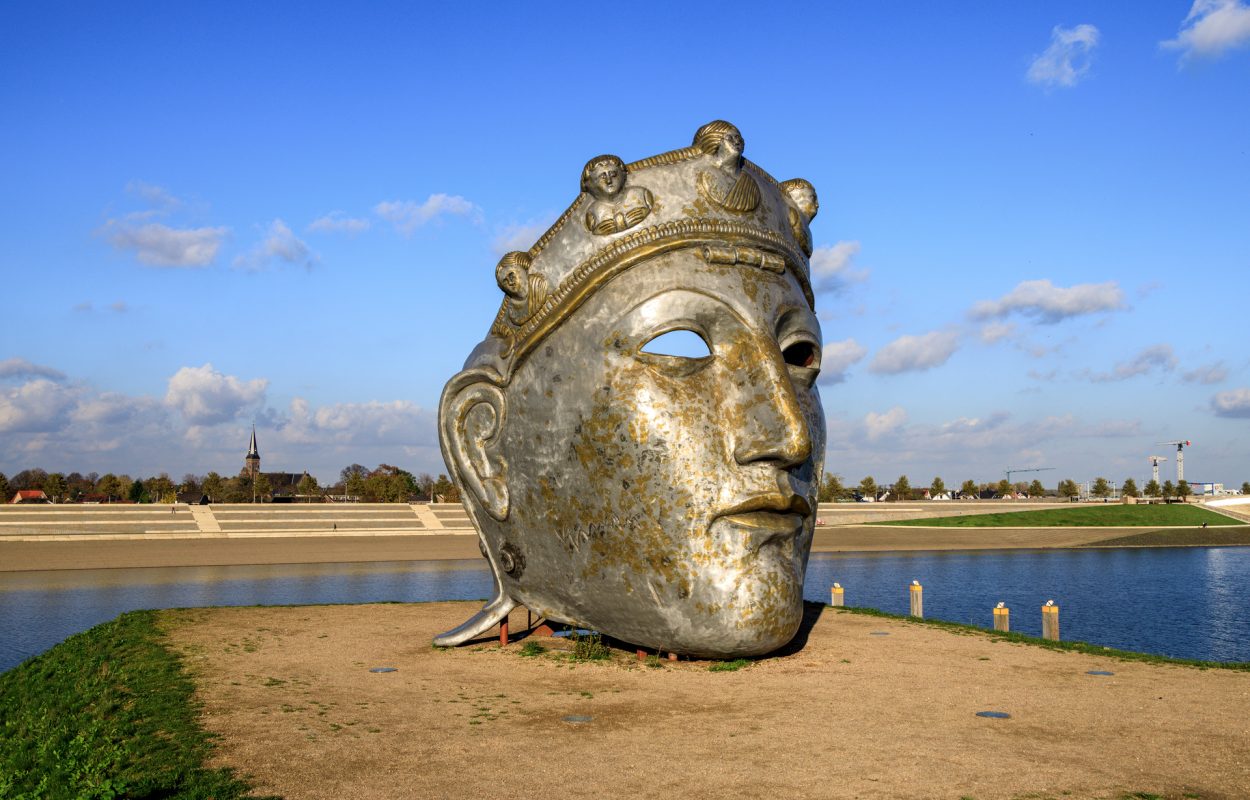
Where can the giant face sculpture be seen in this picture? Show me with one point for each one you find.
(666, 500)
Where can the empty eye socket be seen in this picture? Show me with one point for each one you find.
(801, 354)
(679, 343)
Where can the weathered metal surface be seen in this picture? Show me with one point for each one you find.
(667, 501)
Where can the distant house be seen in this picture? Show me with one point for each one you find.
(30, 496)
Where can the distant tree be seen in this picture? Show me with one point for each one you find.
(261, 488)
(969, 488)
(1003, 488)
(236, 490)
(190, 483)
(123, 485)
(831, 488)
(868, 487)
(1101, 488)
(1245, 487)
(160, 488)
(28, 479)
(1069, 489)
(354, 469)
(109, 486)
(354, 483)
(214, 487)
(1129, 488)
(5, 494)
(1169, 491)
(445, 491)
(1153, 489)
(307, 486)
(1182, 489)
(425, 481)
(54, 487)
(1036, 489)
(76, 485)
(138, 494)
(902, 488)
(937, 487)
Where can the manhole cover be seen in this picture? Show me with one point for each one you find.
(879, 633)
(1099, 672)
(382, 669)
(577, 718)
(994, 714)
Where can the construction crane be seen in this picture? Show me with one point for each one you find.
(1181, 444)
(1011, 472)
(1154, 466)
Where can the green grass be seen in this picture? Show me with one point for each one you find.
(531, 649)
(1111, 515)
(108, 713)
(1021, 638)
(1180, 537)
(729, 666)
(590, 647)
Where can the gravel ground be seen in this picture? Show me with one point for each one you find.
(857, 707)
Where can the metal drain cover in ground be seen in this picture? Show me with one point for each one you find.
(577, 718)
(382, 669)
(1099, 672)
(994, 714)
(879, 633)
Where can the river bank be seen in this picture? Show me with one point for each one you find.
(326, 548)
(889, 710)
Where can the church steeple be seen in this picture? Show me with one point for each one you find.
(251, 464)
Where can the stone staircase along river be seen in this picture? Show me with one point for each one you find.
(242, 520)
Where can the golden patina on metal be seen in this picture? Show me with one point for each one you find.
(664, 499)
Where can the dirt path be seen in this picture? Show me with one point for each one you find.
(851, 714)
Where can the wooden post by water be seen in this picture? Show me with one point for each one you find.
(1002, 618)
(839, 597)
(917, 599)
(1050, 621)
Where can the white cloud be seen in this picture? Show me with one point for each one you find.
(914, 353)
(1067, 59)
(1212, 28)
(1049, 303)
(396, 423)
(520, 236)
(21, 368)
(831, 266)
(1158, 357)
(1232, 403)
(39, 405)
(280, 243)
(205, 396)
(996, 332)
(407, 215)
(837, 357)
(1206, 374)
(879, 425)
(338, 222)
(157, 196)
(159, 245)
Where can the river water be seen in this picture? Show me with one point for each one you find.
(1180, 602)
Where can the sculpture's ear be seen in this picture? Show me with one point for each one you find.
(470, 420)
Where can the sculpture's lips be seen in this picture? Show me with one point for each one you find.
(769, 518)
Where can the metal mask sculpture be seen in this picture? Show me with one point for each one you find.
(664, 500)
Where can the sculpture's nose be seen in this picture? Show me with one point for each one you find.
(774, 428)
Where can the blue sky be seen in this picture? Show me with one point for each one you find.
(1033, 242)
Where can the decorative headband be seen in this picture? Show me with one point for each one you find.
(706, 197)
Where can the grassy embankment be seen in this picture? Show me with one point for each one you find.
(1167, 519)
(107, 713)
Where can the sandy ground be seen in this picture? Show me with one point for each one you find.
(847, 713)
(221, 551)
